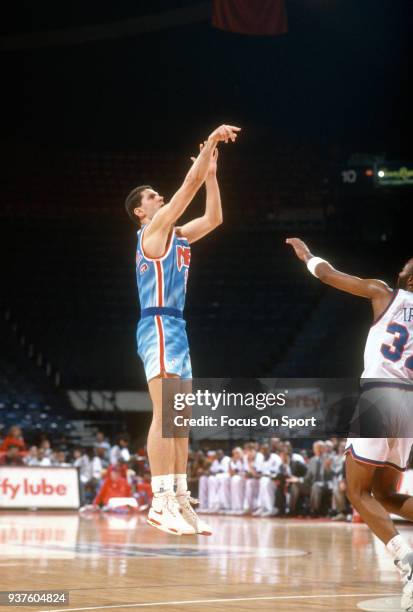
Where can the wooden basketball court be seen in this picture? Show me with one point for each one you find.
(120, 563)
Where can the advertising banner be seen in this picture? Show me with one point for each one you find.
(37, 487)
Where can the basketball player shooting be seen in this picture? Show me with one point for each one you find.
(373, 465)
(162, 265)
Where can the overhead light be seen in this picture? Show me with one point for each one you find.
(380, 173)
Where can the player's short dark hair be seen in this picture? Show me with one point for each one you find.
(133, 200)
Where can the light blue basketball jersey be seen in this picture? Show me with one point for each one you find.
(161, 334)
(162, 281)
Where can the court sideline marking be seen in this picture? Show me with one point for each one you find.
(222, 600)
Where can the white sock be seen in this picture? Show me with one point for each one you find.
(180, 482)
(162, 484)
(398, 547)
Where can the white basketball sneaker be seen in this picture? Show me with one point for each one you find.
(405, 567)
(165, 514)
(185, 502)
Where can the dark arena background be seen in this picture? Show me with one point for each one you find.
(99, 97)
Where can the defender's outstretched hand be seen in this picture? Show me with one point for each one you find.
(223, 133)
(301, 249)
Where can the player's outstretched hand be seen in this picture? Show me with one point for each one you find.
(301, 249)
(223, 133)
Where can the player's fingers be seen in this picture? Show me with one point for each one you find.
(193, 159)
(234, 128)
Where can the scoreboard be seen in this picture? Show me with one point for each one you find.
(364, 178)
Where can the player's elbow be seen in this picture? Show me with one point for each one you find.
(214, 221)
(219, 220)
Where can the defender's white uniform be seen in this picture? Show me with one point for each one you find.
(388, 364)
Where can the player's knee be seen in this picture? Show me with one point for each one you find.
(352, 491)
(355, 492)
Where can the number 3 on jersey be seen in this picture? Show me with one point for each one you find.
(394, 351)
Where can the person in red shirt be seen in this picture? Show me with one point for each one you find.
(114, 485)
(13, 438)
(120, 467)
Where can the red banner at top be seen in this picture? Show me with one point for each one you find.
(253, 17)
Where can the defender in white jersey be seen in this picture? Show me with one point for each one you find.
(162, 263)
(373, 465)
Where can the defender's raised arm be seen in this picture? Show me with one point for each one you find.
(376, 290)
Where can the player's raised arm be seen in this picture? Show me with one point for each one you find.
(169, 214)
(201, 226)
(376, 290)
